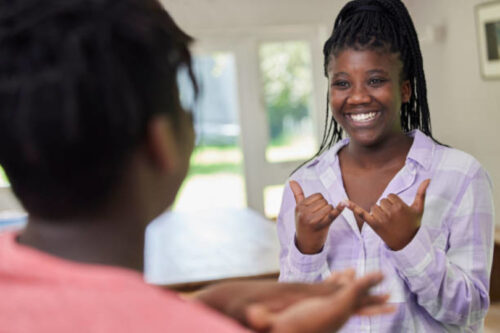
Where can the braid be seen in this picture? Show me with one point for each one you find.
(378, 24)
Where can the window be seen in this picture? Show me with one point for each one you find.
(287, 85)
(215, 177)
(3, 178)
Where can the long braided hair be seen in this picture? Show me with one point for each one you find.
(378, 24)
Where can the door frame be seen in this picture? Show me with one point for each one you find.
(244, 44)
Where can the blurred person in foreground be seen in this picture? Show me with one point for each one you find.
(96, 144)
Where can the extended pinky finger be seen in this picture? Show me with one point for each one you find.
(335, 212)
(324, 222)
(360, 212)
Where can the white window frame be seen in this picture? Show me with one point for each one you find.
(244, 44)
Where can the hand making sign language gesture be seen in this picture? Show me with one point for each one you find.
(393, 220)
(313, 217)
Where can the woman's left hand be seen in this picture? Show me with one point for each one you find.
(393, 220)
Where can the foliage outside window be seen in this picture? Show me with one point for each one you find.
(287, 86)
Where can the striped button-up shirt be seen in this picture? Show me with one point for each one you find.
(439, 282)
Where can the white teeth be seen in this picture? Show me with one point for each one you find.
(363, 117)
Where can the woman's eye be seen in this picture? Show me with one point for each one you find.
(340, 84)
(376, 81)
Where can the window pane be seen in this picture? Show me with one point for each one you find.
(215, 177)
(272, 200)
(3, 178)
(287, 82)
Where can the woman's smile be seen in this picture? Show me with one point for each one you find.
(362, 118)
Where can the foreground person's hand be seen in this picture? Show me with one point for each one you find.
(325, 313)
(270, 306)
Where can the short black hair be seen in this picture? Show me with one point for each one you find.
(380, 25)
(79, 81)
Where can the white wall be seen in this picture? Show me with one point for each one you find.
(216, 14)
(8, 201)
(465, 108)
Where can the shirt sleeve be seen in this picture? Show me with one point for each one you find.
(294, 265)
(452, 284)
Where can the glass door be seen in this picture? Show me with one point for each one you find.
(257, 118)
(215, 178)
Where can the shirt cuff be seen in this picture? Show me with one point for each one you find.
(415, 257)
(307, 263)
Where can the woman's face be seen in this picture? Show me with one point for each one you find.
(366, 93)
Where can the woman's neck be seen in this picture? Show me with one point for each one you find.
(392, 150)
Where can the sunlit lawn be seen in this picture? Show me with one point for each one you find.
(3, 178)
(215, 178)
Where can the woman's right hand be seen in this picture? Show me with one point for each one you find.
(313, 217)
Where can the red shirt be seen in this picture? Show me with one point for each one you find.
(45, 294)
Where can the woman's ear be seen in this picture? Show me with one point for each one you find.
(161, 145)
(405, 91)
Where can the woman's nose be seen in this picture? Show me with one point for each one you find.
(358, 95)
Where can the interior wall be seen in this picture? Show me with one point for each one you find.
(195, 15)
(465, 108)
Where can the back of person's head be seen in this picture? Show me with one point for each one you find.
(79, 80)
(385, 26)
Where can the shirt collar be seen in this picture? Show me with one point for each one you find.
(330, 155)
(421, 151)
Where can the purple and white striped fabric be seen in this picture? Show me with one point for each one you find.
(440, 280)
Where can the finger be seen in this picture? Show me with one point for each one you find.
(347, 276)
(394, 199)
(369, 300)
(338, 275)
(376, 310)
(259, 318)
(313, 198)
(364, 283)
(379, 216)
(340, 279)
(386, 206)
(335, 212)
(418, 203)
(358, 211)
(317, 205)
(327, 314)
(351, 295)
(298, 194)
(332, 215)
(349, 273)
(322, 216)
(325, 222)
(333, 277)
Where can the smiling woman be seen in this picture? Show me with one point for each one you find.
(389, 196)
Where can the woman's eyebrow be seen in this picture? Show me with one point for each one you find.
(377, 71)
(339, 74)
